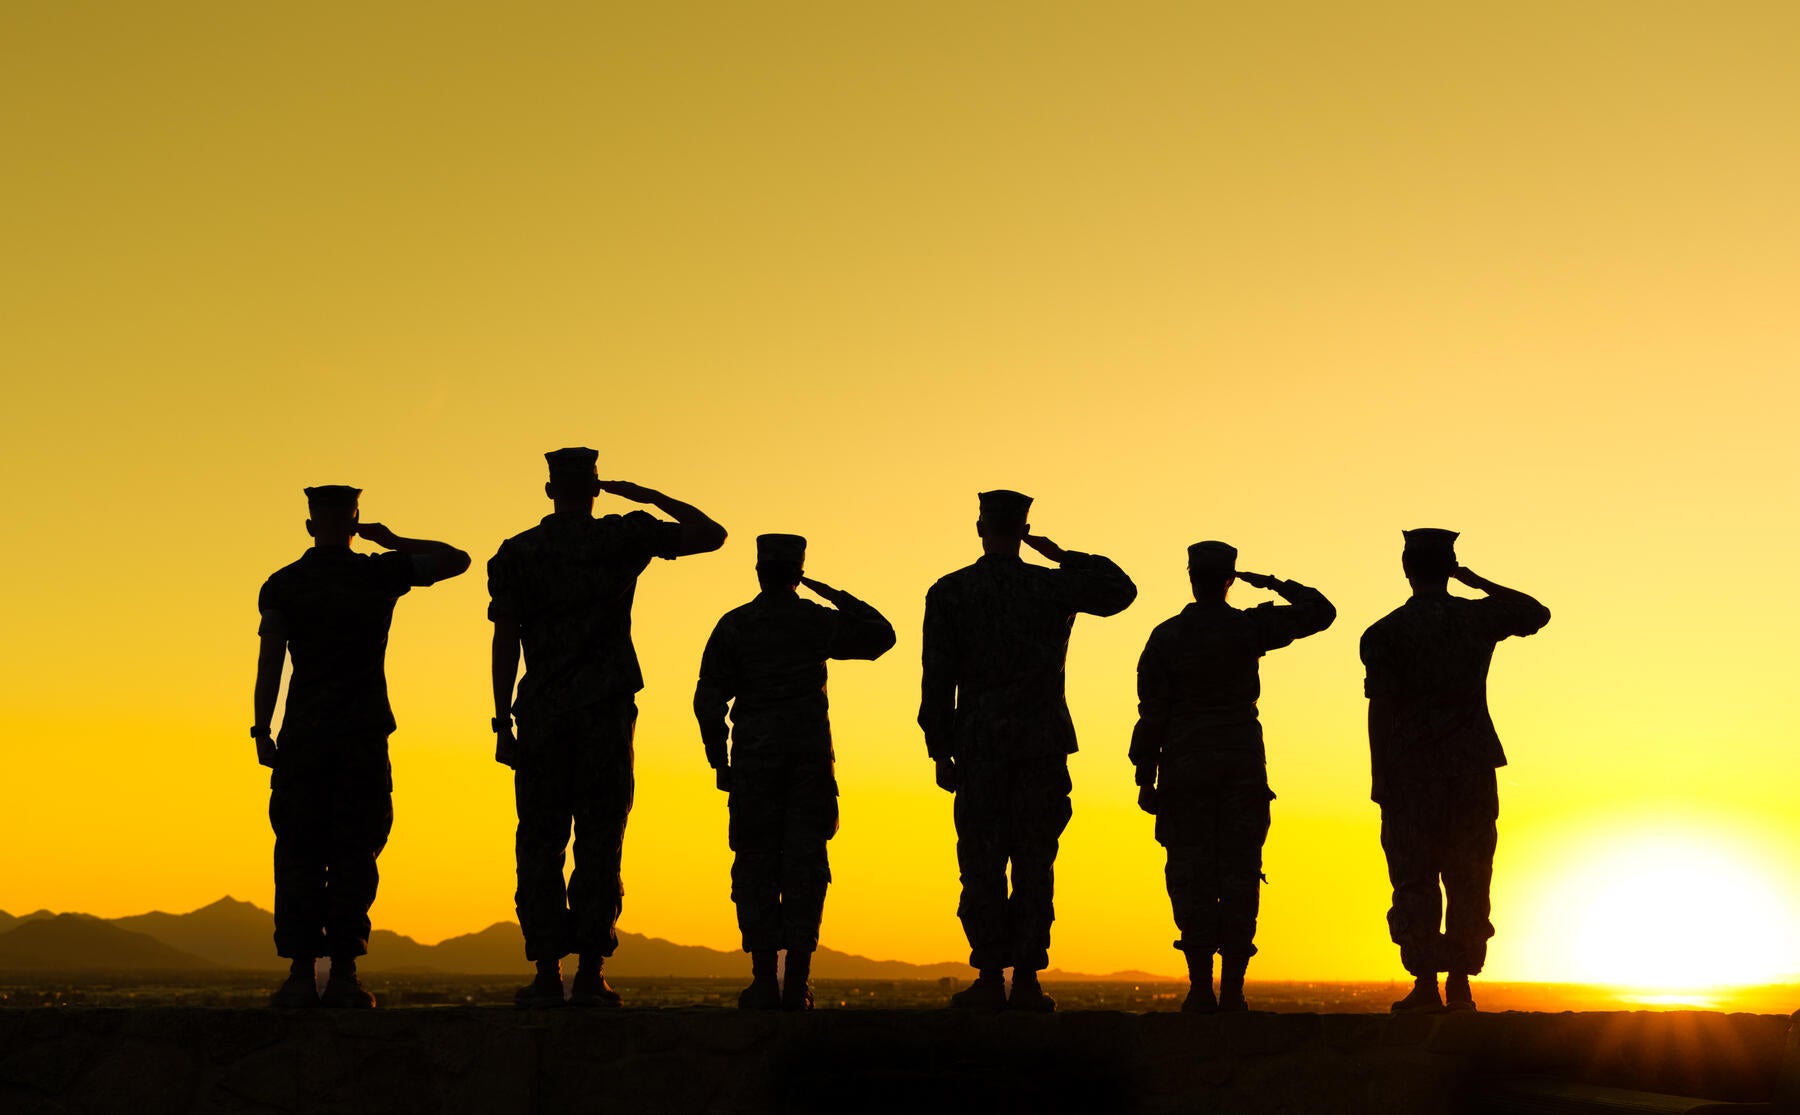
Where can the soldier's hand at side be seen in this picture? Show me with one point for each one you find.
(378, 534)
(1147, 799)
(1044, 546)
(506, 747)
(722, 778)
(625, 489)
(948, 777)
(265, 750)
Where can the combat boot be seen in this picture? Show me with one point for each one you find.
(796, 982)
(299, 990)
(344, 990)
(1028, 994)
(1200, 990)
(546, 990)
(764, 993)
(1231, 983)
(1457, 995)
(590, 988)
(988, 992)
(1423, 997)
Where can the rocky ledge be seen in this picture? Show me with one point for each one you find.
(151, 1061)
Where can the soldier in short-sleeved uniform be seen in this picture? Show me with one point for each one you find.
(330, 796)
(766, 662)
(997, 725)
(563, 591)
(1198, 750)
(1433, 751)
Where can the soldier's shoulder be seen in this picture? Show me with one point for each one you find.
(954, 580)
(1388, 622)
(282, 577)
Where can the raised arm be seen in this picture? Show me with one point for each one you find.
(1304, 610)
(862, 632)
(699, 534)
(1515, 613)
(1147, 737)
(713, 694)
(432, 561)
(1094, 584)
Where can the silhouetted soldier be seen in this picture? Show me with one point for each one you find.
(331, 794)
(998, 727)
(1198, 749)
(1433, 750)
(563, 591)
(766, 660)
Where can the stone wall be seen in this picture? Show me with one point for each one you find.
(152, 1061)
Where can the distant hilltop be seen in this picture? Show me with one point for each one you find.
(237, 936)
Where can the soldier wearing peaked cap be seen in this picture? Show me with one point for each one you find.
(1433, 751)
(1198, 750)
(765, 664)
(330, 796)
(998, 728)
(562, 592)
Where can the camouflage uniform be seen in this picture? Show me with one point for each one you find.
(1433, 750)
(766, 660)
(569, 582)
(1199, 742)
(331, 794)
(996, 637)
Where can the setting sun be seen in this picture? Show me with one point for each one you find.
(1672, 911)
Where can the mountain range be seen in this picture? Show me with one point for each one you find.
(232, 935)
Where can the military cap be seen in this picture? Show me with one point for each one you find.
(789, 548)
(577, 464)
(1212, 557)
(333, 497)
(1430, 542)
(1002, 506)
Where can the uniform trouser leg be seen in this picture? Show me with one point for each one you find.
(1038, 812)
(812, 820)
(1468, 872)
(362, 819)
(757, 804)
(1191, 872)
(574, 772)
(981, 855)
(300, 860)
(1412, 845)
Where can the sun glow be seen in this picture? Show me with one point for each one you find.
(1670, 912)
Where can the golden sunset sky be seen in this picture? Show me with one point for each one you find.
(1296, 276)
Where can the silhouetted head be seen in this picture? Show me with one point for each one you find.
(1002, 525)
(332, 513)
(574, 479)
(1429, 557)
(1212, 566)
(780, 560)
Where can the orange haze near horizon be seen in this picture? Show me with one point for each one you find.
(1294, 276)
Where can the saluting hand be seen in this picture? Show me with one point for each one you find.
(819, 587)
(1044, 546)
(625, 489)
(378, 534)
(1462, 574)
(1257, 580)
